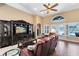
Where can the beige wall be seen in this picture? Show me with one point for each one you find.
(37, 20)
(70, 16)
(9, 13)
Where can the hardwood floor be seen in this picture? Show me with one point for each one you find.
(66, 49)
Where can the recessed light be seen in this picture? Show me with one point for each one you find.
(35, 9)
(42, 12)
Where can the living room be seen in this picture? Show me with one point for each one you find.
(63, 17)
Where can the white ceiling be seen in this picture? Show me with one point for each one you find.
(34, 8)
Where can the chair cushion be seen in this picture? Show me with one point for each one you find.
(26, 52)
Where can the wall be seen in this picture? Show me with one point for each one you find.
(10, 13)
(70, 16)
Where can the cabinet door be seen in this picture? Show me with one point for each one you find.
(0, 33)
(6, 29)
(6, 37)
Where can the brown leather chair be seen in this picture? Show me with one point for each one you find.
(26, 52)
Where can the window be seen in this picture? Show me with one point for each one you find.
(58, 19)
(46, 29)
(73, 28)
(60, 29)
(69, 29)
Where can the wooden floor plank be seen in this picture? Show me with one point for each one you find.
(66, 49)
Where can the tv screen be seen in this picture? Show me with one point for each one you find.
(20, 29)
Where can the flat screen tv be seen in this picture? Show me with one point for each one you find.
(21, 29)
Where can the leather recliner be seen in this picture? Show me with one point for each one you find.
(43, 49)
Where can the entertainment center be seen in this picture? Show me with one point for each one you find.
(12, 32)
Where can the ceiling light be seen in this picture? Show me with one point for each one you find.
(35, 9)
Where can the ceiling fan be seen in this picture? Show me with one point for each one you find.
(49, 7)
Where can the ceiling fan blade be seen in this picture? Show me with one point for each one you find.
(54, 5)
(54, 9)
(43, 10)
(48, 4)
(45, 6)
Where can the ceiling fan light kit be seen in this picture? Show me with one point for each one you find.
(49, 7)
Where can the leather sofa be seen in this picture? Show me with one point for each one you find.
(44, 49)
